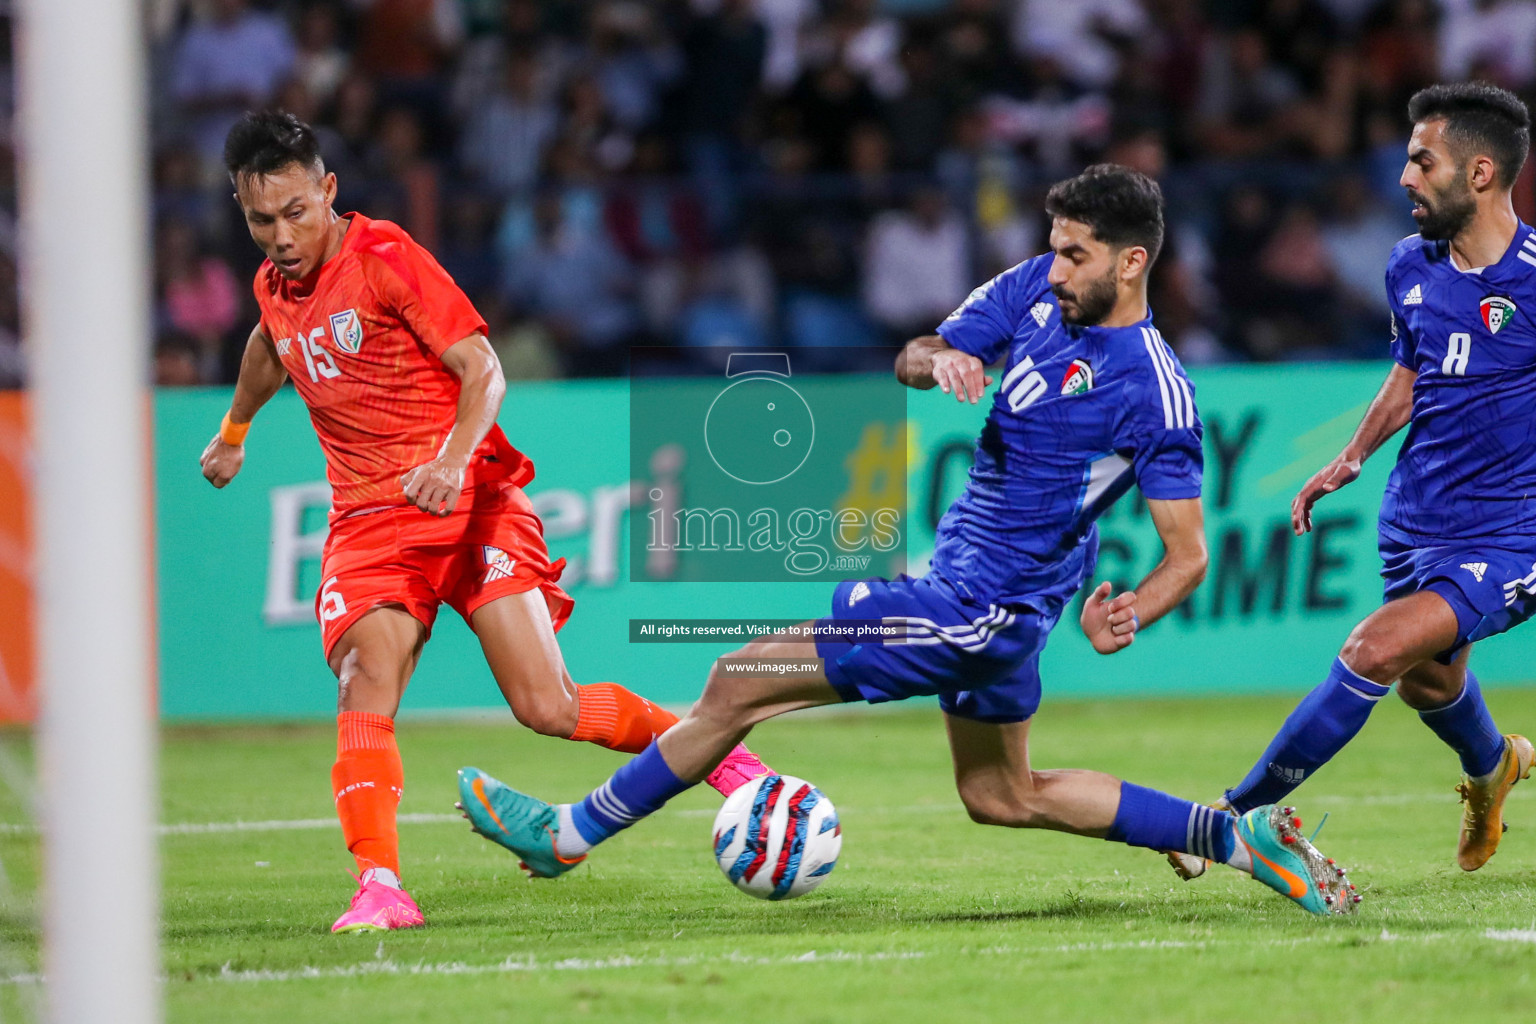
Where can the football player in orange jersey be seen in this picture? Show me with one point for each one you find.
(427, 508)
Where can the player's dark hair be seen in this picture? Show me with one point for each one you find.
(1122, 206)
(1479, 119)
(266, 142)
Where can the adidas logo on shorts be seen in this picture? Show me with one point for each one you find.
(859, 592)
(1476, 569)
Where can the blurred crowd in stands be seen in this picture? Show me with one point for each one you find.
(817, 174)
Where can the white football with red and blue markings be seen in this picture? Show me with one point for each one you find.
(777, 837)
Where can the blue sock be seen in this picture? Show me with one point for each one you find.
(637, 789)
(1158, 821)
(1467, 728)
(1324, 721)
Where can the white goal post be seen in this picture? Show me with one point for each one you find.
(84, 278)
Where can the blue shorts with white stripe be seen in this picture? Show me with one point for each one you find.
(1489, 584)
(982, 661)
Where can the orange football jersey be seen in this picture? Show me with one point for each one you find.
(362, 340)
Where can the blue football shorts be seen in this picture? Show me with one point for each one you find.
(893, 639)
(1490, 586)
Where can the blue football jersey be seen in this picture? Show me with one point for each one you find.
(1080, 414)
(1467, 468)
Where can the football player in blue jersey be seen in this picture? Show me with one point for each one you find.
(1090, 401)
(1457, 530)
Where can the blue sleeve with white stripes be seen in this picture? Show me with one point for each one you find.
(1159, 427)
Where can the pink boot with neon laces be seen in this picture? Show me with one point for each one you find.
(379, 907)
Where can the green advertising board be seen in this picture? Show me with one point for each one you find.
(238, 568)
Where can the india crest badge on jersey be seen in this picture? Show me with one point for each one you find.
(1079, 378)
(1497, 311)
(347, 331)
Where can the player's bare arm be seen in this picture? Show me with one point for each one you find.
(435, 486)
(1389, 412)
(930, 360)
(1111, 622)
(261, 374)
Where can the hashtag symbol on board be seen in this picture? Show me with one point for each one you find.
(877, 470)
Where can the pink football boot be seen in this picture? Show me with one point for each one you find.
(740, 767)
(377, 907)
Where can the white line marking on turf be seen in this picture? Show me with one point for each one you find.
(303, 824)
(527, 963)
(1511, 935)
(189, 828)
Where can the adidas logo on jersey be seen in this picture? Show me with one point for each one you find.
(1414, 297)
(1476, 569)
(497, 562)
(283, 345)
(1041, 311)
(859, 592)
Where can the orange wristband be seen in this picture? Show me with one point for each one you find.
(233, 433)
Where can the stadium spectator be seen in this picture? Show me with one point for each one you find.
(402, 183)
(199, 297)
(916, 261)
(231, 61)
(732, 156)
(1085, 37)
(1246, 98)
(1496, 39)
(13, 361)
(176, 362)
(320, 63)
(575, 282)
(504, 140)
(632, 62)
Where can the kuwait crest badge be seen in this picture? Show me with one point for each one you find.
(1497, 311)
(1079, 378)
(347, 331)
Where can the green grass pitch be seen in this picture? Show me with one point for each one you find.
(927, 917)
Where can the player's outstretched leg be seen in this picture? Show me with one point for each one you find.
(1320, 726)
(1265, 842)
(618, 719)
(999, 787)
(518, 639)
(551, 839)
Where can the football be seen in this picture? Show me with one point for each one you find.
(777, 837)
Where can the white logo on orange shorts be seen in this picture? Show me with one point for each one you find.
(498, 564)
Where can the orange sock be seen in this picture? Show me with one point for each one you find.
(368, 780)
(612, 717)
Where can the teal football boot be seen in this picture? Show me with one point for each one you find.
(1285, 861)
(519, 822)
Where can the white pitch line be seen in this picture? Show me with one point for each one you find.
(526, 964)
(1511, 935)
(306, 824)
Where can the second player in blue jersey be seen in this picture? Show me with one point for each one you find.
(1458, 520)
